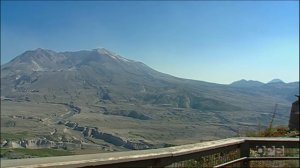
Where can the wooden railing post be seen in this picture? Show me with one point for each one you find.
(245, 152)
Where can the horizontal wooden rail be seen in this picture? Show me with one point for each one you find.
(231, 162)
(273, 158)
(254, 158)
(145, 158)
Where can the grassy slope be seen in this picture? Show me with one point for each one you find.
(27, 153)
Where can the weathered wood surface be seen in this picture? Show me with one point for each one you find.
(131, 157)
(294, 116)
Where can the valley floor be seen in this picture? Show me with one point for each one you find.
(92, 129)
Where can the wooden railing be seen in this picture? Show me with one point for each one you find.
(233, 152)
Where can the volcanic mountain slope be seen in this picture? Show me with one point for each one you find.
(98, 75)
(102, 75)
(124, 96)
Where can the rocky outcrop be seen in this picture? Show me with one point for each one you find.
(4, 143)
(71, 124)
(25, 117)
(111, 138)
(32, 143)
(39, 143)
(140, 144)
(74, 108)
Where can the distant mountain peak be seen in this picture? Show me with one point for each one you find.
(276, 81)
(35, 54)
(38, 59)
(41, 50)
(246, 83)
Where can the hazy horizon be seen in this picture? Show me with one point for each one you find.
(217, 42)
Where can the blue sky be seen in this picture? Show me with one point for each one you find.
(219, 41)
